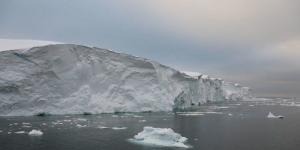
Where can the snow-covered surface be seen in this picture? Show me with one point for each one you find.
(35, 133)
(9, 44)
(271, 115)
(192, 74)
(160, 137)
(74, 79)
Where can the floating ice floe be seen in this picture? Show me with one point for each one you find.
(119, 128)
(222, 107)
(20, 132)
(137, 116)
(26, 123)
(81, 126)
(190, 113)
(35, 133)
(271, 115)
(57, 122)
(165, 137)
(67, 120)
(230, 114)
(81, 119)
(102, 127)
(211, 112)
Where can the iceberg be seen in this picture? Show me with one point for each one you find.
(35, 133)
(165, 137)
(73, 79)
(271, 115)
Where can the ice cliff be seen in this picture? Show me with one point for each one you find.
(73, 79)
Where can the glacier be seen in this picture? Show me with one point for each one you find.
(75, 79)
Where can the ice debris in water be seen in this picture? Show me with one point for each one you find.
(102, 127)
(81, 126)
(190, 113)
(20, 132)
(165, 137)
(35, 133)
(119, 128)
(271, 115)
(81, 119)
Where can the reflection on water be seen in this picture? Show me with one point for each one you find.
(228, 126)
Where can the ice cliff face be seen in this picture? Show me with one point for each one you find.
(68, 79)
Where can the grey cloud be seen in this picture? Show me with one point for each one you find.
(223, 38)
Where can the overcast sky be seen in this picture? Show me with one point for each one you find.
(253, 42)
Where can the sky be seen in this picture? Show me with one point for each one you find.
(252, 42)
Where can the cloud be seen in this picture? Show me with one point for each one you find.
(249, 41)
(234, 22)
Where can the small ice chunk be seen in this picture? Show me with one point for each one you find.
(230, 114)
(137, 116)
(142, 120)
(26, 123)
(251, 105)
(190, 113)
(81, 119)
(1, 131)
(81, 126)
(222, 107)
(67, 120)
(160, 137)
(57, 122)
(119, 128)
(212, 112)
(271, 115)
(26, 126)
(20, 132)
(35, 133)
(102, 127)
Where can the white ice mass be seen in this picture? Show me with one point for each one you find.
(35, 133)
(74, 79)
(271, 115)
(160, 137)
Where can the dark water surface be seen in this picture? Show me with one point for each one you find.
(247, 128)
